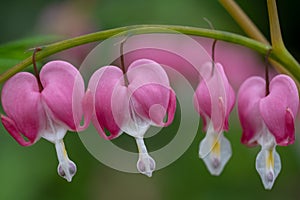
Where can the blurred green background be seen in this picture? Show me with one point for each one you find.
(30, 172)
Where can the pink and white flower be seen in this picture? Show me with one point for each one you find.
(268, 120)
(214, 99)
(46, 111)
(131, 103)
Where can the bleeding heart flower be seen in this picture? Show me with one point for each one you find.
(48, 112)
(214, 99)
(131, 103)
(268, 120)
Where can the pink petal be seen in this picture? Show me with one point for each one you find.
(142, 72)
(202, 103)
(87, 105)
(171, 108)
(102, 85)
(22, 104)
(63, 92)
(279, 108)
(290, 128)
(151, 94)
(11, 127)
(214, 96)
(249, 96)
(153, 102)
(168, 58)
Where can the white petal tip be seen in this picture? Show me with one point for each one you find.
(268, 166)
(149, 174)
(146, 165)
(215, 166)
(268, 180)
(67, 170)
(217, 153)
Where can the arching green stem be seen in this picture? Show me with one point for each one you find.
(285, 59)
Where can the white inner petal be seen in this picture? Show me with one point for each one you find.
(135, 125)
(268, 163)
(215, 150)
(55, 133)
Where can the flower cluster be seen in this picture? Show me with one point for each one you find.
(54, 102)
(130, 101)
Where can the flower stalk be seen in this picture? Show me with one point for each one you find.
(289, 64)
(36, 71)
(278, 46)
(276, 38)
(267, 77)
(122, 58)
(243, 20)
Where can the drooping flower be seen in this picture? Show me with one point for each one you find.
(214, 99)
(47, 111)
(268, 120)
(131, 103)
